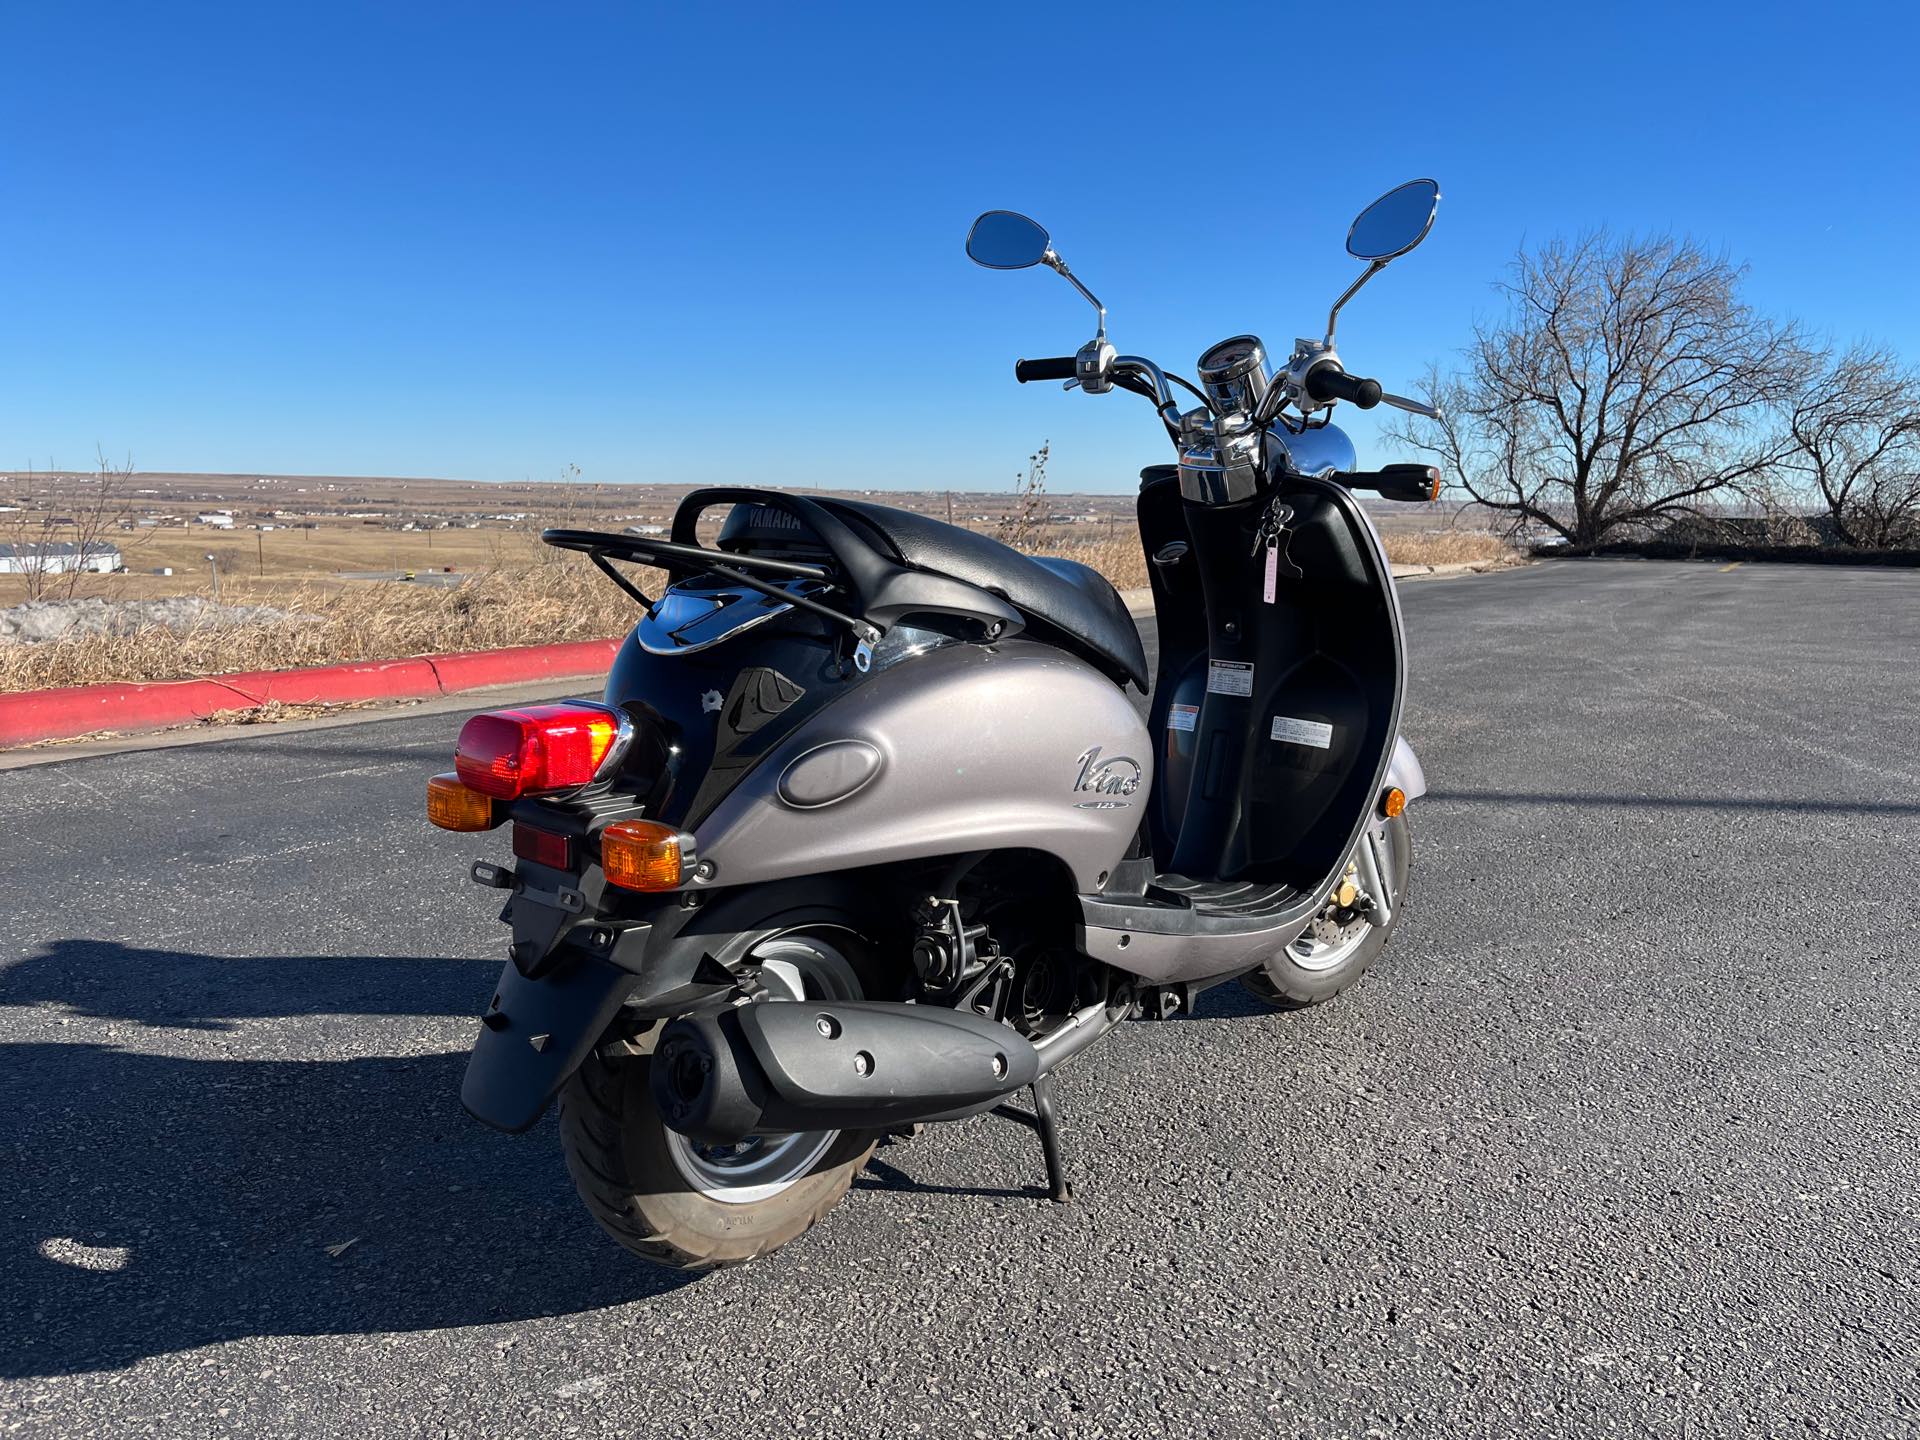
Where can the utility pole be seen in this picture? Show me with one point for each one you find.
(949, 507)
(211, 560)
(260, 550)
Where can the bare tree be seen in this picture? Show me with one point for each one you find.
(98, 513)
(40, 532)
(28, 533)
(1854, 433)
(1626, 383)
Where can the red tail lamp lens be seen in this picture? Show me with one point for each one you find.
(510, 753)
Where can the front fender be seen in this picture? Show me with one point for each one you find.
(1405, 770)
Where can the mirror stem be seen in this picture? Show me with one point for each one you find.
(1059, 267)
(1334, 315)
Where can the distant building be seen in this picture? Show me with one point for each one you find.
(218, 519)
(57, 558)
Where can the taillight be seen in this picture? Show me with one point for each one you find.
(540, 748)
(543, 847)
(642, 855)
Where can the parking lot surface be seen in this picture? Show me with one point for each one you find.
(1621, 1136)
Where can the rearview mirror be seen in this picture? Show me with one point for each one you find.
(1395, 223)
(1002, 240)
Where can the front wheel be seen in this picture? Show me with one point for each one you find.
(676, 1202)
(1332, 953)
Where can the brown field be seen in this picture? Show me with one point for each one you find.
(513, 591)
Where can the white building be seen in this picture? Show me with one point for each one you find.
(57, 558)
(218, 519)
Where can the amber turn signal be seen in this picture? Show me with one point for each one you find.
(1392, 801)
(642, 855)
(452, 806)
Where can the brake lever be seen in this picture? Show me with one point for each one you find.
(1413, 407)
(1071, 385)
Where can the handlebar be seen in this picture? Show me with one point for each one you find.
(1059, 367)
(1327, 381)
(1397, 482)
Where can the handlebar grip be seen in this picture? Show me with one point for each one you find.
(1397, 482)
(1327, 381)
(1060, 367)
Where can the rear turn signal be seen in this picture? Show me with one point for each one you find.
(452, 806)
(538, 749)
(641, 855)
(1393, 801)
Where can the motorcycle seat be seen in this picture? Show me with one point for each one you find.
(1064, 602)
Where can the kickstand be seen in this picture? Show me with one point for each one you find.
(1041, 1120)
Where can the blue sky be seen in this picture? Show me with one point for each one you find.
(724, 242)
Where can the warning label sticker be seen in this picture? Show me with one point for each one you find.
(1229, 677)
(1303, 732)
(1182, 717)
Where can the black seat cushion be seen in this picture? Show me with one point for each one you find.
(1065, 603)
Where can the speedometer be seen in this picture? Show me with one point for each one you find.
(1234, 374)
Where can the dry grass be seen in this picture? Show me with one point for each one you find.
(1118, 555)
(1451, 547)
(530, 605)
(517, 603)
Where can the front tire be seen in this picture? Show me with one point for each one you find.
(1321, 965)
(692, 1207)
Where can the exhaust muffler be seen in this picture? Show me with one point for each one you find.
(766, 1068)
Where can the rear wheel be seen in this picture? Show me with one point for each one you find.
(674, 1201)
(1334, 952)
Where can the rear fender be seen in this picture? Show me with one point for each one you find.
(537, 1032)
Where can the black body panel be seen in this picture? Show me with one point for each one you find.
(720, 710)
(1269, 786)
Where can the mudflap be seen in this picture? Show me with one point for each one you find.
(535, 1034)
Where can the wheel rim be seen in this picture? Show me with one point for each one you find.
(1326, 943)
(1323, 948)
(810, 966)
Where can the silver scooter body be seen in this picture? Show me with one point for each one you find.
(1016, 746)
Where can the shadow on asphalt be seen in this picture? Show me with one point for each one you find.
(1678, 802)
(881, 1176)
(155, 1203)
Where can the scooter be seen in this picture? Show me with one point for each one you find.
(867, 833)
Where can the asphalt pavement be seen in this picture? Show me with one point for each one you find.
(1619, 1138)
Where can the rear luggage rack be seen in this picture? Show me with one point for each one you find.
(676, 558)
(882, 590)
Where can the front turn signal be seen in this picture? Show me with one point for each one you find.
(453, 806)
(1393, 800)
(643, 855)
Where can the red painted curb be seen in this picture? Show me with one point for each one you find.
(60, 714)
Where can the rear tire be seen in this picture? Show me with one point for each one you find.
(1296, 977)
(652, 1190)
